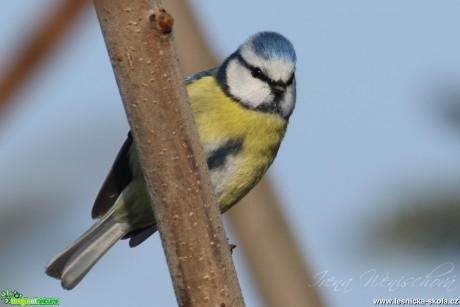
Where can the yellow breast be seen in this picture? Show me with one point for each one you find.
(219, 118)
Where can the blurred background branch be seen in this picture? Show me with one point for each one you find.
(275, 261)
(36, 48)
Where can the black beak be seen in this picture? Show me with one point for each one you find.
(278, 89)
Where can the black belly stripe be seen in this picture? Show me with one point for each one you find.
(218, 157)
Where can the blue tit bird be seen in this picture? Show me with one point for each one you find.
(241, 110)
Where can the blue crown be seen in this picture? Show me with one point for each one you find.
(271, 45)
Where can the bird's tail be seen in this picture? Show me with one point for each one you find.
(72, 264)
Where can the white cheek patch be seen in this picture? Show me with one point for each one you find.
(243, 86)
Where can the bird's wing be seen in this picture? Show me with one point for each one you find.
(117, 179)
(199, 75)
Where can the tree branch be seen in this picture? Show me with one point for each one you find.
(137, 35)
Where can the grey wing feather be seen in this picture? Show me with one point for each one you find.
(73, 263)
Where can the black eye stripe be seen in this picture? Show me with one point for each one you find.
(256, 72)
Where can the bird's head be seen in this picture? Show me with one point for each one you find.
(260, 74)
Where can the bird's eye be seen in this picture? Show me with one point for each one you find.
(256, 72)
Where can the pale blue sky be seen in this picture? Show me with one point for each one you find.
(365, 130)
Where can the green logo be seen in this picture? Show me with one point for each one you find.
(16, 298)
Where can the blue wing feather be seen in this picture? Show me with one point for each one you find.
(199, 75)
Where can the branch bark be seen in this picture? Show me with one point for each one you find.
(137, 35)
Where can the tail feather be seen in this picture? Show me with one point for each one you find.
(73, 263)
